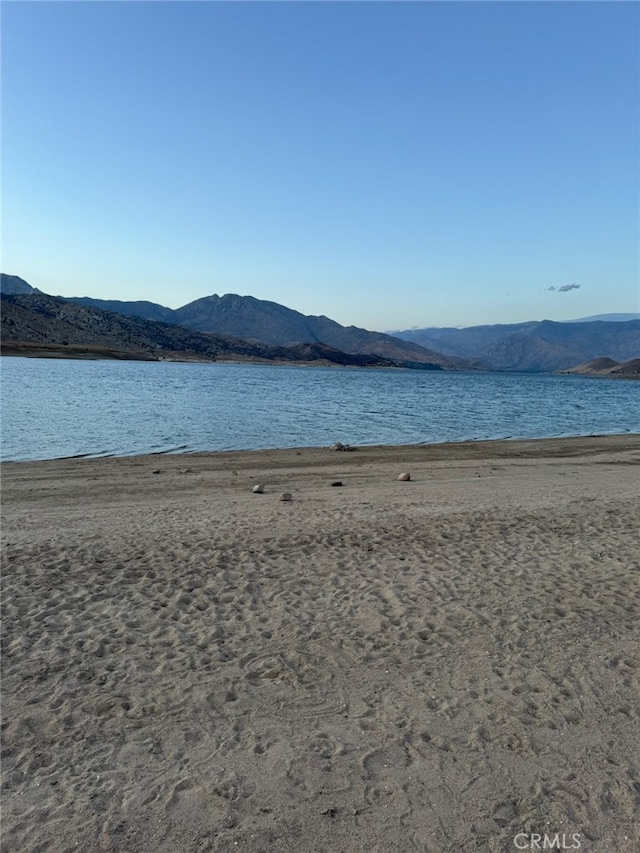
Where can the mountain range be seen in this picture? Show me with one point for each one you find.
(247, 327)
(34, 323)
(37, 324)
(535, 346)
(271, 323)
(241, 327)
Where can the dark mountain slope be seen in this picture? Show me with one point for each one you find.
(268, 322)
(259, 319)
(33, 322)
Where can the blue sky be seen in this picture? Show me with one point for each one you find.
(389, 165)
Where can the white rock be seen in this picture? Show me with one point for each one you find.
(259, 489)
(404, 476)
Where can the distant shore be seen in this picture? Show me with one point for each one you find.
(448, 660)
(83, 352)
(76, 351)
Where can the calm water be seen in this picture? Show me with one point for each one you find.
(55, 408)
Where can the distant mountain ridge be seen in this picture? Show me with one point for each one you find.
(541, 345)
(276, 325)
(534, 346)
(143, 310)
(15, 284)
(37, 324)
(614, 318)
(265, 323)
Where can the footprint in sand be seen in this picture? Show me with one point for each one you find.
(293, 679)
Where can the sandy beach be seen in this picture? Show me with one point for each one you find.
(441, 665)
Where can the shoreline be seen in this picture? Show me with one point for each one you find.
(465, 449)
(88, 352)
(81, 352)
(434, 665)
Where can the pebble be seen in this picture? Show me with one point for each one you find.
(286, 496)
(259, 489)
(404, 477)
(337, 483)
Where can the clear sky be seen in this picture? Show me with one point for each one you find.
(387, 164)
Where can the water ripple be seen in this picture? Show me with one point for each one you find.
(64, 408)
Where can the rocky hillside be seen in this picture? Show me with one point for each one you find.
(35, 324)
(259, 319)
(270, 323)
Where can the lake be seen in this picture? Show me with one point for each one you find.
(58, 408)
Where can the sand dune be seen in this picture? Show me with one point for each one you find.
(433, 665)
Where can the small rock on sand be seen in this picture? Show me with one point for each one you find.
(258, 489)
(336, 483)
(286, 496)
(404, 476)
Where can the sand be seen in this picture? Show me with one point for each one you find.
(445, 664)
